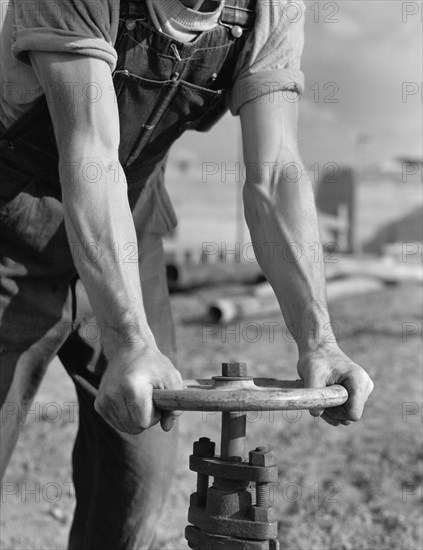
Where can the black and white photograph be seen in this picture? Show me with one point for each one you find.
(211, 268)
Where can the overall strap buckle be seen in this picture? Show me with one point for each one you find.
(238, 15)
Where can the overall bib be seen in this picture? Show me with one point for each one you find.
(163, 88)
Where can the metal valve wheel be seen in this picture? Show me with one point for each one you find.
(225, 516)
(235, 391)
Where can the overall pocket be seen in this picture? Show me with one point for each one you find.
(13, 182)
(156, 113)
(32, 228)
(141, 102)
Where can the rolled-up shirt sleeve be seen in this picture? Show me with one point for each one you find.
(271, 59)
(85, 28)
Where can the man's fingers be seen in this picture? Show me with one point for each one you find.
(344, 414)
(168, 419)
(359, 392)
(145, 414)
(327, 418)
(339, 413)
(334, 367)
(352, 410)
(108, 416)
(123, 416)
(315, 380)
(332, 420)
(174, 382)
(167, 422)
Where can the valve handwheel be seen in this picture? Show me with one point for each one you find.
(225, 516)
(235, 391)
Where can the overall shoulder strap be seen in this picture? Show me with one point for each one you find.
(239, 12)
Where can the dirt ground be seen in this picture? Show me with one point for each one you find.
(339, 488)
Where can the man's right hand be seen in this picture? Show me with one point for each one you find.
(125, 396)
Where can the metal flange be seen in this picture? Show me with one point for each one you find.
(232, 527)
(240, 471)
(206, 541)
(248, 394)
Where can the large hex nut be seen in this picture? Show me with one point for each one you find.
(261, 457)
(234, 369)
(204, 447)
(262, 513)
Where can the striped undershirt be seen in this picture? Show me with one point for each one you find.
(183, 20)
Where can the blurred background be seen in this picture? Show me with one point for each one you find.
(361, 142)
(360, 121)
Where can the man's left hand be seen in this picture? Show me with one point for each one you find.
(327, 366)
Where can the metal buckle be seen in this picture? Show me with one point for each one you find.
(236, 29)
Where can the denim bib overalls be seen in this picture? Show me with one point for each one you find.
(163, 87)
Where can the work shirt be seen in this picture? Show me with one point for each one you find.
(269, 62)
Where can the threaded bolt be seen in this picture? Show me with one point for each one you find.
(202, 485)
(262, 494)
(203, 448)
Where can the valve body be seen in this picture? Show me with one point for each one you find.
(223, 516)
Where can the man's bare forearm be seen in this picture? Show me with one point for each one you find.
(100, 226)
(281, 215)
(280, 209)
(94, 193)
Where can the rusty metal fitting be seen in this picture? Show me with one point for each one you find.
(204, 447)
(234, 369)
(260, 513)
(233, 470)
(202, 488)
(261, 457)
(262, 494)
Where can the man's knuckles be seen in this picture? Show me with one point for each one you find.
(355, 414)
(127, 417)
(370, 386)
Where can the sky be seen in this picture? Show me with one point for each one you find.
(370, 49)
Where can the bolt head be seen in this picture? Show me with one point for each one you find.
(262, 513)
(261, 458)
(234, 369)
(204, 447)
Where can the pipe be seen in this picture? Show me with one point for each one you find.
(232, 441)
